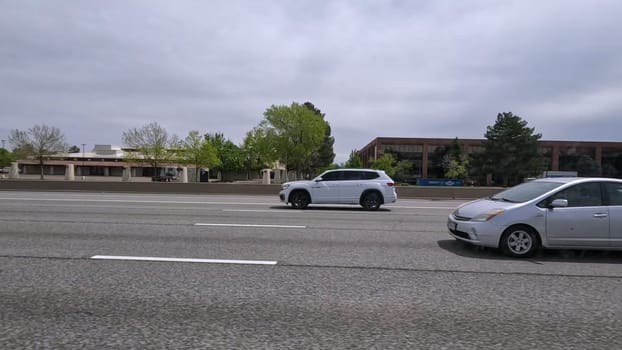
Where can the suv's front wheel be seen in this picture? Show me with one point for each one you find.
(371, 200)
(300, 199)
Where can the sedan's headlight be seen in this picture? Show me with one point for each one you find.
(284, 186)
(485, 216)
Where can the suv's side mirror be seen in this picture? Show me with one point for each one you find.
(317, 179)
(559, 203)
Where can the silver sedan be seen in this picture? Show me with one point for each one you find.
(555, 213)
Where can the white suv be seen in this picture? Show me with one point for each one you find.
(367, 187)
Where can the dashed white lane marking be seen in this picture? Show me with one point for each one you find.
(188, 260)
(249, 225)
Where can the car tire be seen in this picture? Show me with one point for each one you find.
(299, 199)
(371, 200)
(520, 241)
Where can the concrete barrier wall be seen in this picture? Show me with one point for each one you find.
(226, 188)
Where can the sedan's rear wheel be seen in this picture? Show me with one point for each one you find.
(520, 241)
(371, 201)
(300, 199)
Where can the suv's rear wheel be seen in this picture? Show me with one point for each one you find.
(299, 199)
(371, 200)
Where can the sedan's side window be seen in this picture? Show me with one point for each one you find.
(614, 193)
(581, 195)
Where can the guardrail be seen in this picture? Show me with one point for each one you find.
(424, 192)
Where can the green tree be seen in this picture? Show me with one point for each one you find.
(199, 152)
(455, 163)
(403, 170)
(297, 133)
(438, 161)
(229, 154)
(510, 151)
(6, 157)
(354, 161)
(385, 162)
(610, 171)
(39, 142)
(259, 149)
(457, 169)
(586, 166)
(321, 158)
(151, 143)
(449, 161)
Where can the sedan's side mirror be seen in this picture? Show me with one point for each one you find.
(559, 203)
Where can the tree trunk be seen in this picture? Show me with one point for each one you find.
(41, 166)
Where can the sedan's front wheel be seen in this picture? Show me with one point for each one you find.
(519, 241)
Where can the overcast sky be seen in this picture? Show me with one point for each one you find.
(375, 68)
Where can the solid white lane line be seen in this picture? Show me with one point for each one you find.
(249, 225)
(249, 210)
(188, 202)
(405, 207)
(335, 206)
(210, 261)
(130, 201)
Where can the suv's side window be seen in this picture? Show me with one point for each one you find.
(581, 195)
(370, 175)
(614, 193)
(353, 175)
(332, 176)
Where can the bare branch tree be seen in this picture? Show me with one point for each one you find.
(150, 143)
(40, 141)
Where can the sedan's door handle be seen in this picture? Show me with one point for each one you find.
(600, 215)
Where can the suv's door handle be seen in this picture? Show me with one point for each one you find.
(600, 215)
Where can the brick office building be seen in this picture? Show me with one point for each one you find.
(560, 155)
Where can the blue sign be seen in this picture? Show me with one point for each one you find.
(440, 182)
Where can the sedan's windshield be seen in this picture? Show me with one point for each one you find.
(525, 191)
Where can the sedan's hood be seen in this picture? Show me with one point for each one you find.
(474, 208)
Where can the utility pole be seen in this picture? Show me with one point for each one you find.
(82, 172)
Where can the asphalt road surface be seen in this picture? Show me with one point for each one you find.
(129, 271)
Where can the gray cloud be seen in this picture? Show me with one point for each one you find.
(376, 68)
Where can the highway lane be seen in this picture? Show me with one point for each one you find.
(410, 234)
(344, 278)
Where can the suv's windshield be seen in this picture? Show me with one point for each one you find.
(525, 191)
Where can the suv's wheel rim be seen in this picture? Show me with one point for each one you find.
(371, 201)
(519, 242)
(299, 200)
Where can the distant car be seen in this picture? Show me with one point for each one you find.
(5, 170)
(555, 213)
(369, 188)
(164, 178)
